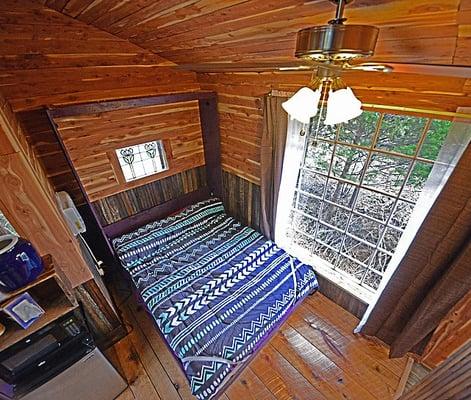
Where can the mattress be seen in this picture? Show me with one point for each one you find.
(215, 288)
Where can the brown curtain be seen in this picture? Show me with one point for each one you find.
(275, 125)
(434, 274)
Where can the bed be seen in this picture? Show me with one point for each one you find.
(215, 288)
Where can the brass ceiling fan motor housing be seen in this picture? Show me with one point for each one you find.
(337, 42)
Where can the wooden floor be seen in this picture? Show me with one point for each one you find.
(314, 356)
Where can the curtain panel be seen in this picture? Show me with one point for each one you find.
(275, 127)
(434, 274)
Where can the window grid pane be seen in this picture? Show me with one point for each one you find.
(358, 190)
(142, 160)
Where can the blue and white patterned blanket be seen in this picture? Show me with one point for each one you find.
(215, 288)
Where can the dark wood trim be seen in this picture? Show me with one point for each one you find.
(82, 189)
(104, 106)
(158, 212)
(209, 118)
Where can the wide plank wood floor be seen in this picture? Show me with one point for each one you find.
(314, 356)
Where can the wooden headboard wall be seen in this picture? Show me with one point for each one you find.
(187, 122)
(91, 140)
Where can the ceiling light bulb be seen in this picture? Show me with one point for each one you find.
(342, 106)
(303, 105)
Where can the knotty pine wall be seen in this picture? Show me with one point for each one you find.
(50, 59)
(42, 139)
(27, 200)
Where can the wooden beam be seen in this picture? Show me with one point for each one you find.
(105, 106)
(212, 143)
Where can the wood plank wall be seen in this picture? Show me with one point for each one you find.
(241, 199)
(452, 333)
(47, 58)
(451, 380)
(240, 104)
(27, 200)
(40, 135)
(125, 204)
(91, 141)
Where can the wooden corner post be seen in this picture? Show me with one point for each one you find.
(211, 143)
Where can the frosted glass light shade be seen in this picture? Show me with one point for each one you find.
(342, 106)
(303, 105)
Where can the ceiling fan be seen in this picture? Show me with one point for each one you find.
(331, 48)
(335, 45)
(338, 46)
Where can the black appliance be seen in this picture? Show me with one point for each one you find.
(44, 354)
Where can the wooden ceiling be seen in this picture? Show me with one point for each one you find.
(47, 58)
(210, 34)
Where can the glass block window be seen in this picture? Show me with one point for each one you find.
(357, 187)
(142, 160)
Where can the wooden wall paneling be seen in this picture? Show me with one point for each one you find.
(234, 31)
(240, 111)
(125, 204)
(241, 200)
(340, 296)
(40, 134)
(47, 58)
(451, 380)
(463, 43)
(417, 373)
(451, 334)
(27, 201)
(91, 139)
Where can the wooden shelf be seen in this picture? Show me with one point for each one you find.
(50, 292)
(48, 273)
(54, 310)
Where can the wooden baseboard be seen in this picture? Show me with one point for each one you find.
(341, 297)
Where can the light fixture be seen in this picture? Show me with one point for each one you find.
(303, 105)
(330, 48)
(326, 91)
(342, 106)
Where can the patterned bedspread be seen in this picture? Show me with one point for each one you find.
(215, 288)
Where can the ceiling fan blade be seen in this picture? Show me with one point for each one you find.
(371, 67)
(457, 71)
(297, 68)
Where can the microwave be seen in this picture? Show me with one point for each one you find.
(44, 354)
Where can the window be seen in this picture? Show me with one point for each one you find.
(142, 160)
(356, 190)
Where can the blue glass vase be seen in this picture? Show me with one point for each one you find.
(20, 263)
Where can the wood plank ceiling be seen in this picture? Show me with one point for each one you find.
(47, 58)
(207, 34)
